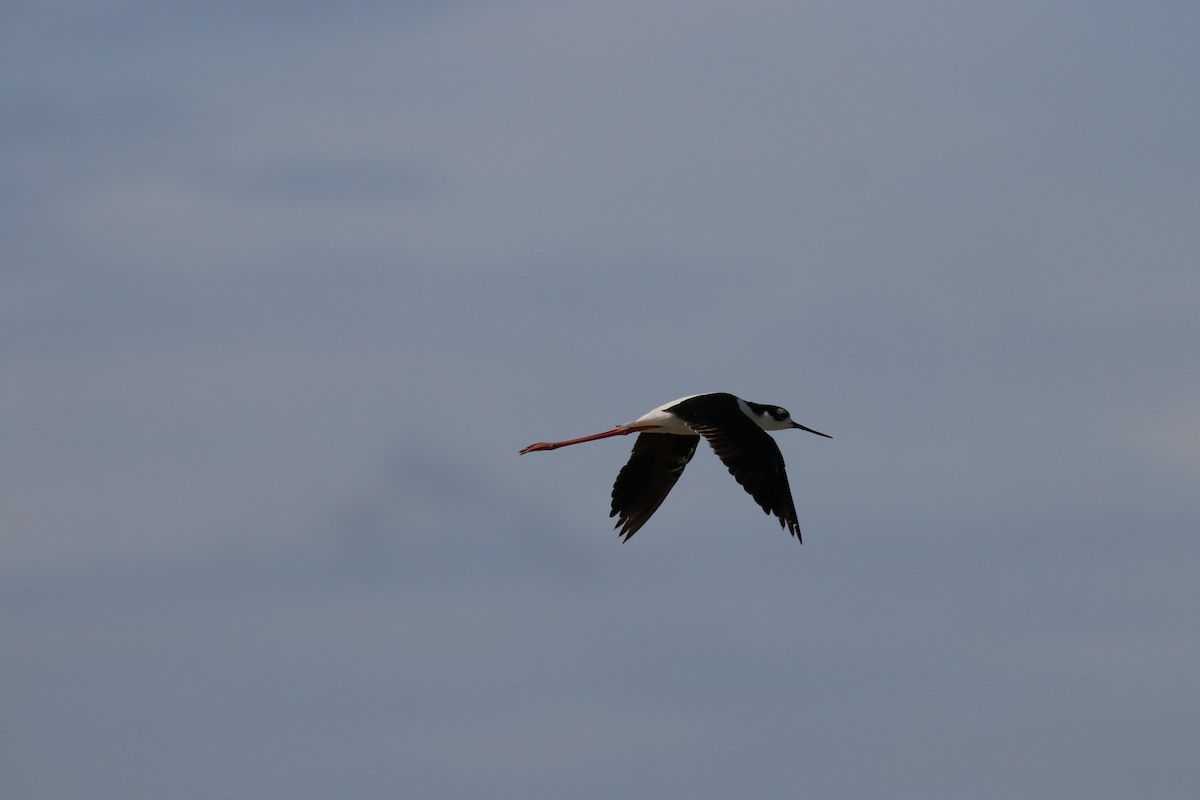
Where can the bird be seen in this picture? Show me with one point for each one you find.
(667, 439)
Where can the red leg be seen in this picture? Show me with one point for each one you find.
(533, 448)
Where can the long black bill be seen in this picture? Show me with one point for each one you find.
(810, 430)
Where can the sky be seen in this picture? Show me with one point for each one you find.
(286, 286)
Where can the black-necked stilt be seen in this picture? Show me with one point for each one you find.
(736, 430)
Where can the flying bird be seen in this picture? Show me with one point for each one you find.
(667, 438)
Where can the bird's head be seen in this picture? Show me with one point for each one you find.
(774, 418)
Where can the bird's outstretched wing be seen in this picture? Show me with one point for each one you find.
(645, 481)
(748, 451)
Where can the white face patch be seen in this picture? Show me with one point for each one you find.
(769, 418)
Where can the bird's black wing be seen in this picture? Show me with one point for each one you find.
(747, 450)
(657, 462)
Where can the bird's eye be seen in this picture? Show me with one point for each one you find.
(781, 413)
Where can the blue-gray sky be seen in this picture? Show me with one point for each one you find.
(286, 286)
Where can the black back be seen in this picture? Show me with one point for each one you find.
(748, 451)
